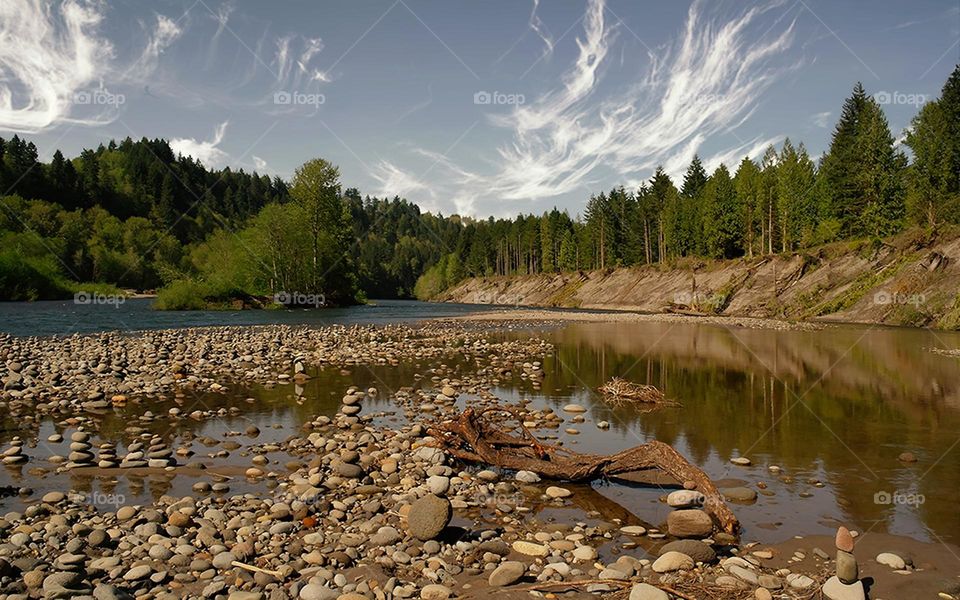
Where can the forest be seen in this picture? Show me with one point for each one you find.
(133, 215)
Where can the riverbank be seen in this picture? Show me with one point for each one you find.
(905, 280)
(356, 502)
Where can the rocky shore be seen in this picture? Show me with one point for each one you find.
(365, 506)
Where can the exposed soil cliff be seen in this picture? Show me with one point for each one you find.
(908, 280)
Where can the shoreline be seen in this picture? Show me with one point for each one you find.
(351, 500)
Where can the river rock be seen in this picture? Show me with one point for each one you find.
(435, 591)
(844, 539)
(558, 492)
(507, 573)
(685, 499)
(695, 549)
(530, 549)
(834, 589)
(847, 570)
(689, 523)
(738, 494)
(672, 561)
(891, 560)
(574, 408)
(428, 517)
(645, 591)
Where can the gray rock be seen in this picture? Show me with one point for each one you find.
(695, 549)
(105, 591)
(689, 523)
(428, 517)
(847, 570)
(507, 573)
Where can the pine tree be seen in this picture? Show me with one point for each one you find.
(862, 173)
(663, 200)
(795, 181)
(934, 177)
(748, 185)
(723, 216)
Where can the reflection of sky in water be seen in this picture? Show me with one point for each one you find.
(735, 389)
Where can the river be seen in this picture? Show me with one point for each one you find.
(830, 410)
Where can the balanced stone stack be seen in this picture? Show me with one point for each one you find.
(688, 520)
(108, 456)
(350, 407)
(80, 453)
(14, 454)
(845, 585)
(134, 457)
(159, 454)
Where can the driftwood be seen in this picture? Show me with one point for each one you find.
(621, 391)
(474, 436)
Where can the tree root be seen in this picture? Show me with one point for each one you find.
(475, 437)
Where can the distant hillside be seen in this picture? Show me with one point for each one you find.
(906, 280)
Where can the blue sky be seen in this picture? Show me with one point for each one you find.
(492, 107)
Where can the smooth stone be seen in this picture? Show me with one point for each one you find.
(527, 477)
(689, 523)
(530, 549)
(53, 497)
(584, 553)
(844, 539)
(672, 561)
(847, 570)
(435, 591)
(645, 591)
(137, 573)
(315, 591)
(738, 494)
(745, 574)
(633, 530)
(695, 549)
(891, 560)
(799, 582)
(743, 461)
(574, 408)
(685, 499)
(438, 485)
(834, 589)
(428, 517)
(558, 492)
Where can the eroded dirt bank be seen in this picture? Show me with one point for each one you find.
(903, 281)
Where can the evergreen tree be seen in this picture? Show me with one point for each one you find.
(747, 182)
(934, 177)
(723, 216)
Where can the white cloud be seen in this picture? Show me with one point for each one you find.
(207, 152)
(394, 181)
(259, 164)
(821, 119)
(47, 56)
(701, 87)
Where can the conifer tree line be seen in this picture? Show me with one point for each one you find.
(136, 215)
(863, 186)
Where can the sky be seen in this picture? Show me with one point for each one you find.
(479, 108)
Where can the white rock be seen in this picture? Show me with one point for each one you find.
(672, 561)
(645, 591)
(891, 560)
(685, 499)
(834, 589)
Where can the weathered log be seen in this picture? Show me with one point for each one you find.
(474, 437)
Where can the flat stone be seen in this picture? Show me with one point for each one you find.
(695, 549)
(633, 530)
(645, 591)
(689, 523)
(672, 561)
(738, 494)
(435, 591)
(685, 499)
(574, 408)
(558, 492)
(507, 573)
(527, 477)
(891, 560)
(834, 589)
(137, 573)
(530, 549)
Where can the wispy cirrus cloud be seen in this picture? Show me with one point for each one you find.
(706, 83)
(47, 54)
(52, 53)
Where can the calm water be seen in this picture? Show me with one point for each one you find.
(832, 408)
(64, 317)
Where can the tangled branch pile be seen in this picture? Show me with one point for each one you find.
(621, 391)
(476, 436)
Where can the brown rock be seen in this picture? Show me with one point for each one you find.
(691, 523)
(844, 540)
